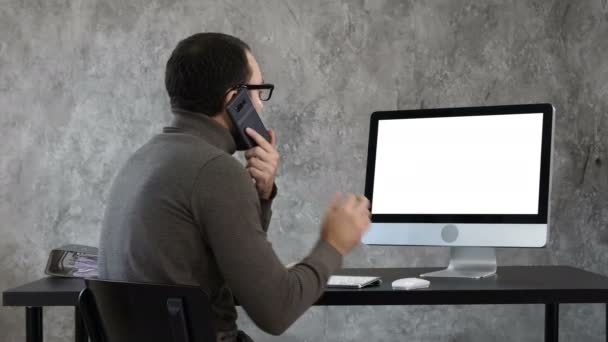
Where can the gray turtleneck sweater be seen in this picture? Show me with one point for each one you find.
(184, 211)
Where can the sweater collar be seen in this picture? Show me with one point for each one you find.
(205, 127)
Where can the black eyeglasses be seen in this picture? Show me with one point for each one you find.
(265, 90)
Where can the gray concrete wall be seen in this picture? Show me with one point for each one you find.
(81, 87)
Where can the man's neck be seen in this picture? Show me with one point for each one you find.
(222, 119)
(214, 129)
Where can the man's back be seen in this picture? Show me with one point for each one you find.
(149, 232)
(155, 177)
(184, 211)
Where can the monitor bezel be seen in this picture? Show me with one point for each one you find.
(545, 170)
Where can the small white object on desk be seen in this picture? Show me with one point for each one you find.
(410, 284)
(352, 282)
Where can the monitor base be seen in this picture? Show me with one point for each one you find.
(468, 262)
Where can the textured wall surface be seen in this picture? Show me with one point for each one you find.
(81, 87)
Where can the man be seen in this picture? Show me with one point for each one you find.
(184, 211)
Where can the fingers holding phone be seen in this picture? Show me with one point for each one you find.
(262, 162)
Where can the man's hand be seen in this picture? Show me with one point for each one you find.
(262, 162)
(345, 222)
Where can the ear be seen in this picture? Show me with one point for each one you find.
(222, 116)
(229, 96)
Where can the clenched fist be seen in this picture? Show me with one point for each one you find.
(345, 222)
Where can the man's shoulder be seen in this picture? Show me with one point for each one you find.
(197, 153)
(225, 166)
(187, 147)
(171, 157)
(226, 173)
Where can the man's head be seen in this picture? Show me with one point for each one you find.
(204, 68)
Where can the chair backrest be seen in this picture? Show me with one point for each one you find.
(120, 311)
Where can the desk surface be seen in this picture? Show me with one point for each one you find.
(511, 285)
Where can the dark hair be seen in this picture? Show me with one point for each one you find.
(202, 68)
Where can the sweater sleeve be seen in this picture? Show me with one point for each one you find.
(228, 210)
(266, 207)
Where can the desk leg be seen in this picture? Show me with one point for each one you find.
(33, 324)
(80, 333)
(552, 322)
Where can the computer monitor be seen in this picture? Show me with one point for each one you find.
(471, 178)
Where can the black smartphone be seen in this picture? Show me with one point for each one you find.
(243, 115)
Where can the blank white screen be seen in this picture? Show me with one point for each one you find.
(458, 165)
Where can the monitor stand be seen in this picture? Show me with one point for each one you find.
(468, 262)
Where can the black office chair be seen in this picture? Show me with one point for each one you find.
(126, 312)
